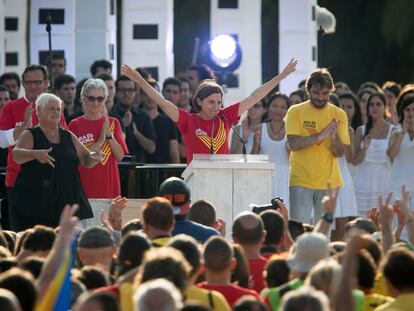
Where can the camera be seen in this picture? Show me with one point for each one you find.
(274, 205)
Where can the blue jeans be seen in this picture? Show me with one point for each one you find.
(303, 201)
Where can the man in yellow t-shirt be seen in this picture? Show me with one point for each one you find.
(317, 132)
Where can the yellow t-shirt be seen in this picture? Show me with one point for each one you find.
(404, 302)
(373, 301)
(209, 298)
(314, 166)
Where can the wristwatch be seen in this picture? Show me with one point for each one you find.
(110, 136)
(328, 217)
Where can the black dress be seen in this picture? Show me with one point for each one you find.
(42, 191)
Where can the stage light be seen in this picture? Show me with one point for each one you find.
(223, 50)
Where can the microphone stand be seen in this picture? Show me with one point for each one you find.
(238, 135)
(49, 35)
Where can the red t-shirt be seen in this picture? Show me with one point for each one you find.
(102, 180)
(257, 266)
(197, 132)
(231, 292)
(12, 115)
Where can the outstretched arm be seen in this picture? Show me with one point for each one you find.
(168, 107)
(263, 90)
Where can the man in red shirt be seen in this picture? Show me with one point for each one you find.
(219, 261)
(20, 114)
(248, 231)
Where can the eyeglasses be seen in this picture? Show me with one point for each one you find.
(33, 82)
(125, 90)
(98, 99)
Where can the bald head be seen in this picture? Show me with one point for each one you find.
(248, 229)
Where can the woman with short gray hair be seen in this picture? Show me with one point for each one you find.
(99, 132)
(49, 156)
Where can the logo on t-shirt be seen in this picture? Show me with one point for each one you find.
(217, 141)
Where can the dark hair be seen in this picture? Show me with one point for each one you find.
(185, 80)
(131, 251)
(368, 126)
(277, 271)
(158, 213)
(107, 301)
(408, 100)
(361, 92)
(241, 273)
(79, 87)
(367, 270)
(143, 72)
(204, 72)
(10, 76)
(321, 77)
(203, 212)
(20, 283)
(370, 85)
(204, 90)
(247, 235)
(341, 84)
(31, 68)
(33, 265)
(63, 79)
(407, 90)
(100, 63)
(392, 87)
(123, 78)
(92, 277)
(10, 237)
(248, 303)
(334, 99)
(56, 56)
(398, 268)
(217, 254)
(357, 118)
(132, 225)
(274, 225)
(3, 88)
(39, 238)
(173, 81)
(7, 263)
(301, 93)
(296, 228)
(302, 84)
(189, 247)
(104, 76)
(275, 96)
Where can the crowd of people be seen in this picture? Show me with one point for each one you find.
(339, 236)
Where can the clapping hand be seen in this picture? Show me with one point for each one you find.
(329, 130)
(97, 155)
(386, 211)
(42, 155)
(28, 114)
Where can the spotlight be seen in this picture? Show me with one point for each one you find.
(223, 53)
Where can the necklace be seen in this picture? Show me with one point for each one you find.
(276, 133)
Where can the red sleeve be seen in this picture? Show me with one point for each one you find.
(63, 122)
(182, 123)
(232, 113)
(119, 135)
(72, 127)
(6, 118)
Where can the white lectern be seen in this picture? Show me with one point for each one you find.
(230, 182)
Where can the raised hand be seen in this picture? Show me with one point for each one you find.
(28, 114)
(291, 67)
(373, 214)
(105, 221)
(329, 201)
(42, 155)
(386, 211)
(404, 203)
(68, 221)
(130, 72)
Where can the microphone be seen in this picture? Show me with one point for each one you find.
(234, 131)
(211, 136)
